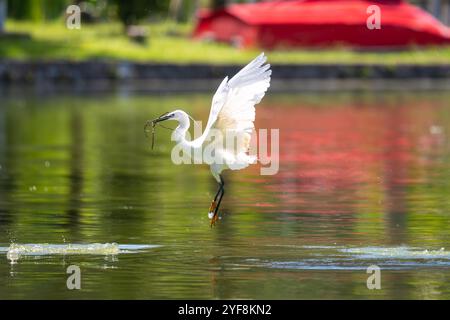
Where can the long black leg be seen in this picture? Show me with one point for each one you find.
(221, 191)
(220, 200)
(222, 185)
(218, 191)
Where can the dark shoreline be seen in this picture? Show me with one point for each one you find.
(101, 75)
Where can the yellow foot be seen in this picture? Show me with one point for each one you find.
(213, 217)
(212, 207)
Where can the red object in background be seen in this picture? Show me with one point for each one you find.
(320, 23)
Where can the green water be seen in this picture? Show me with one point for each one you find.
(364, 179)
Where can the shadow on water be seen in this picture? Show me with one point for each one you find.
(76, 169)
(363, 179)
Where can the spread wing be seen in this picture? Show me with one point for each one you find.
(233, 104)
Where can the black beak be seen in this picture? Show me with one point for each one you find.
(162, 118)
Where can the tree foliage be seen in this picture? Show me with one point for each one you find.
(128, 11)
(133, 11)
(36, 10)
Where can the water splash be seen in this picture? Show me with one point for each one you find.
(359, 258)
(15, 251)
(397, 253)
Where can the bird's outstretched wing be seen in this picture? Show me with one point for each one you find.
(233, 104)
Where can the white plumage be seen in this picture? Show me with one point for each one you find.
(232, 112)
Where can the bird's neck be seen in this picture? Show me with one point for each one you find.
(179, 134)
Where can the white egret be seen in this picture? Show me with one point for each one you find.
(232, 110)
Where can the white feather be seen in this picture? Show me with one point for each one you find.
(240, 94)
(233, 111)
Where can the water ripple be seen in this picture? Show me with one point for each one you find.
(14, 251)
(338, 258)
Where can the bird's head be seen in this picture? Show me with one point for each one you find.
(178, 115)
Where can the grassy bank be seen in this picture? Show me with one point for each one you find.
(171, 43)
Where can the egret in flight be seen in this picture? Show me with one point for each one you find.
(232, 110)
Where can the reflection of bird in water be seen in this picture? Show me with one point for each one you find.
(232, 114)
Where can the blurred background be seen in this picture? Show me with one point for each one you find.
(163, 31)
(364, 120)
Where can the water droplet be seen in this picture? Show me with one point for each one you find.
(12, 255)
(436, 129)
(47, 164)
(32, 188)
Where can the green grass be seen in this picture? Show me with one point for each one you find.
(53, 40)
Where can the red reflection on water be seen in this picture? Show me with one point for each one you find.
(334, 159)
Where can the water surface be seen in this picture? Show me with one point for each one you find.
(364, 179)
